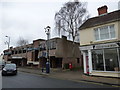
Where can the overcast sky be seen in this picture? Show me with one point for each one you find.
(28, 18)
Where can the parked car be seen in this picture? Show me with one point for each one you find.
(9, 69)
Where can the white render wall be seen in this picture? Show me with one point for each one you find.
(84, 61)
(90, 60)
(87, 35)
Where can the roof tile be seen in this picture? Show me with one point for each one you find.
(102, 19)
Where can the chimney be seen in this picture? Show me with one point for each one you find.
(64, 37)
(102, 10)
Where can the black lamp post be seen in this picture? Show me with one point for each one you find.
(47, 31)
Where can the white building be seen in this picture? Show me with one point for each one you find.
(100, 44)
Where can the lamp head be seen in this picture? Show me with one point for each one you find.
(47, 30)
(48, 27)
(118, 43)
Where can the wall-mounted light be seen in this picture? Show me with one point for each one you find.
(93, 46)
(118, 43)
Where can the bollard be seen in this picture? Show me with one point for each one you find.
(47, 67)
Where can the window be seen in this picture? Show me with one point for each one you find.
(111, 59)
(24, 51)
(106, 59)
(112, 31)
(96, 34)
(42, 46)
(97, 60)
(12, 52)
(20, 51)
(15, 52)
(52, 45)
(103, 33)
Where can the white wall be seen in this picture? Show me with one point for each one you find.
(87, 35)
(90, 60)
(84, 61)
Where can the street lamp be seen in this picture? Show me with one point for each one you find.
(8, 42)
(47, 31)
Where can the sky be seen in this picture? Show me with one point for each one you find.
(28, 18)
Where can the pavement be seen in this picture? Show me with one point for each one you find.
(77, 76)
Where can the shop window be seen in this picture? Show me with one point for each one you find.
(97, 60)
(111, 59)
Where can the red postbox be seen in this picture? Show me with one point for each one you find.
(70, 65)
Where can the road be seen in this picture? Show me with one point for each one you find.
(27, 80)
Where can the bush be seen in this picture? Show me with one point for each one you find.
(66, 66)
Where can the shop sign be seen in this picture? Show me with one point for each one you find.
(17, 57)
(108, 45)
(86, 47)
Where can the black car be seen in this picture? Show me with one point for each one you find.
(9, 69)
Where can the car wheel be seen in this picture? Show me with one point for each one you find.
(16, 73)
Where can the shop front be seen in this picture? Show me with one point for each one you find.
(102, 59)
(19, 61)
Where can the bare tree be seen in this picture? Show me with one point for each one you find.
(21, 41)
(69, 18)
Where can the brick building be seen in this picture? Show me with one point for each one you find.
(61, 53)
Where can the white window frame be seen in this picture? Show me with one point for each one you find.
(108, 31)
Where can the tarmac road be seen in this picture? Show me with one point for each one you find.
(27, 80)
